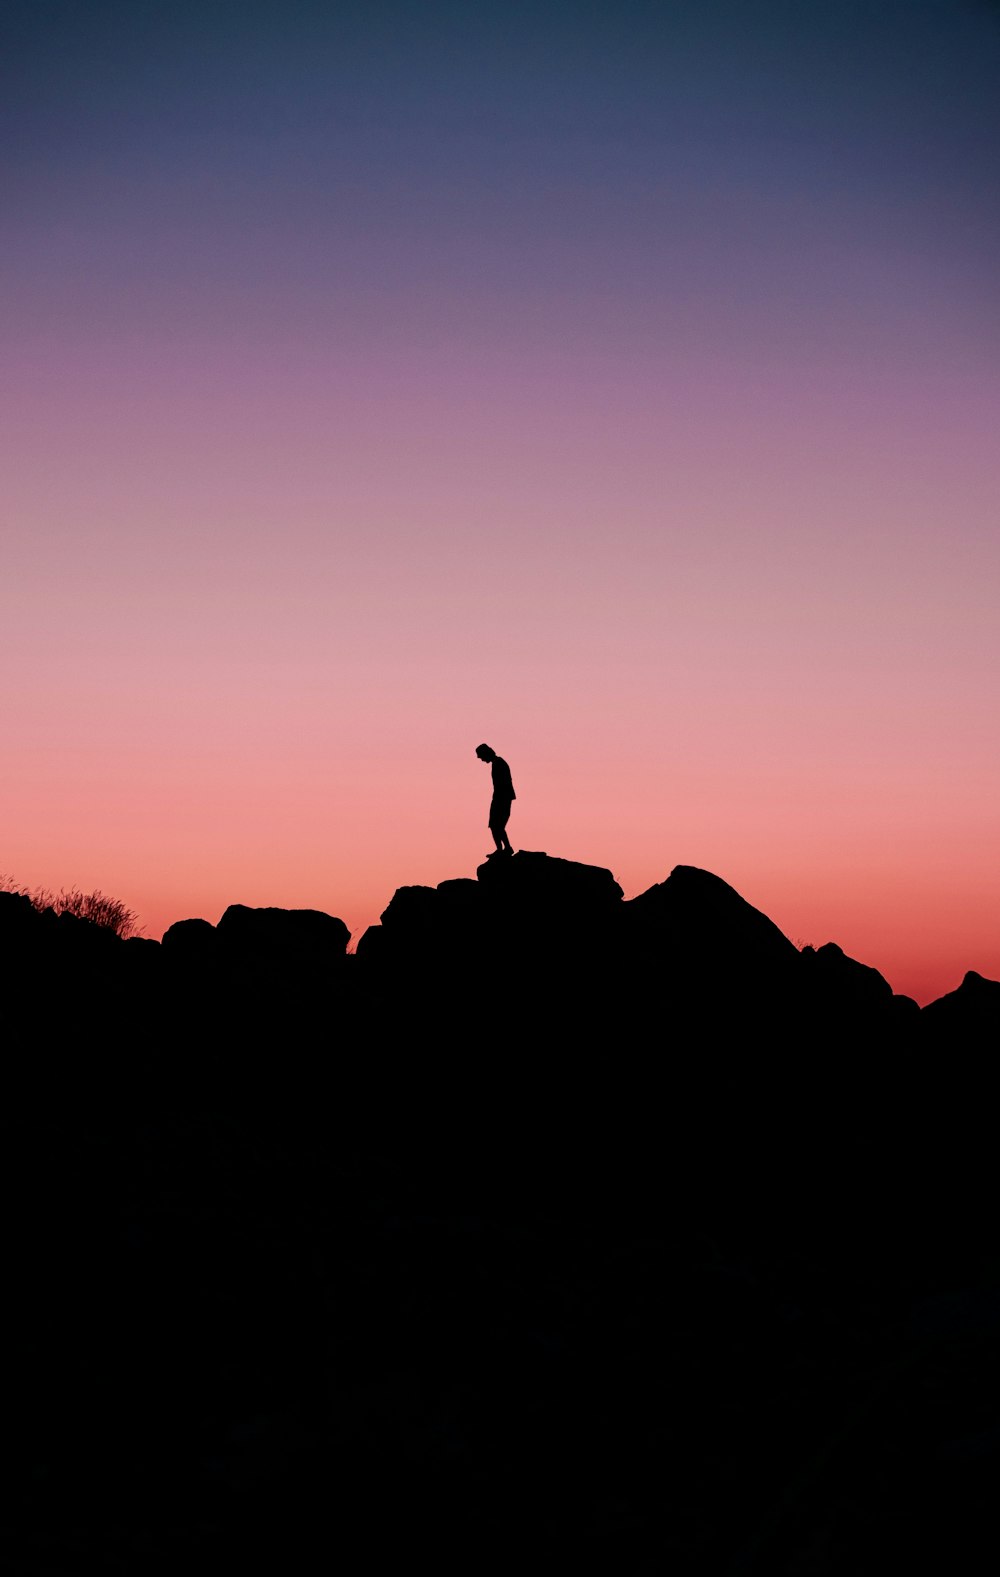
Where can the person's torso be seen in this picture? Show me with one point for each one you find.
(502, 782)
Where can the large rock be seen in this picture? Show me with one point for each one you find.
(405, 936)
(142, 958)
(19, 919)
(536, 878)
(423, 926)
(411, 910)
(77, 940)
(272, 952)
(700, 962)
(194, 941)
(841, 980)
(371, 948)
(698, 917)
(838, 995)
(460, 898)
(63, 941)
(308, 934)
(970, 1015)
(549, 931)
(523, 914)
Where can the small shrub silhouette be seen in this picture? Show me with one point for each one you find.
(96, 906)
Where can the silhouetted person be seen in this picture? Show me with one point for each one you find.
(503, 798)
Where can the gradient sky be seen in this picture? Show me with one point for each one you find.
(615, 383)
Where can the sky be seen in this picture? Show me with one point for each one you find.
(613, 383)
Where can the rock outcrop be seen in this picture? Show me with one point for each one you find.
(534, 946)
(552, 1232)
(970, 1015)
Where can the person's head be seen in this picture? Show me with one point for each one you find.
(485, 753)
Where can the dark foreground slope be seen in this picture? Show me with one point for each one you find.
(553, 1232)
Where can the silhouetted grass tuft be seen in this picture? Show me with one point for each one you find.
(96, 906)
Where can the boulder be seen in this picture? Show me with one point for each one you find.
(971, 1014)
(460, 898)
(427, 926)
(408, 936)
(371, 945)
(19, 919)
(194, 941)
(412, 910)
(842, 981)
(142, 957)
(309, 935)
(700, 918)
(78, 939)
(531, 878)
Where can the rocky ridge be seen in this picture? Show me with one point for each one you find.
(531, 934)
(551, 1232)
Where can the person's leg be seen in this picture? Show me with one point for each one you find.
(496, 825)
(503, 842)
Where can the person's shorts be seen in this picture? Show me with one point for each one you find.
(499, 811)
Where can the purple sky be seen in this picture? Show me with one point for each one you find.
(614, 383)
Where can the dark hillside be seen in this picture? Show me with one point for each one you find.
(552, 1232)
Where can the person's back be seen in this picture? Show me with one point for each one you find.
(503, 785)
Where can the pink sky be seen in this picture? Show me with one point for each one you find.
(667, 467)
(731, 614)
